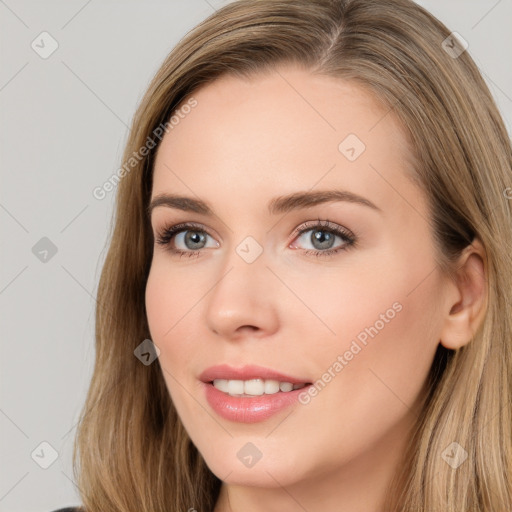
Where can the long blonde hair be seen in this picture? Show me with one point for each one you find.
(131, 451)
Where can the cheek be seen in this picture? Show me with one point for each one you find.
(170, 296)
(169, 307)
(173, 300)
(372, 373)
(387, 334)
(386, 324)
(159, 305)
(168, 302)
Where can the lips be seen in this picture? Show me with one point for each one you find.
(249, 409)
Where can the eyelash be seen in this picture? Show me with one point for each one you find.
(165, 236)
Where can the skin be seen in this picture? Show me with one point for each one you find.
(246, 142)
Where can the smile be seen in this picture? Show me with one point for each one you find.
(251, 393)
(254, 387)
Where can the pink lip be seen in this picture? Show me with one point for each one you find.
(248, 409)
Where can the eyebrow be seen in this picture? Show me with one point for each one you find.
(278, 205)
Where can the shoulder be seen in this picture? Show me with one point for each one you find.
(68, 509)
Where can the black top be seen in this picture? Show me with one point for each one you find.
(68, 509)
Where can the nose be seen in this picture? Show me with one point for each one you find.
(244, 300)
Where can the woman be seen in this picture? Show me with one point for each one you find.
(306, 301)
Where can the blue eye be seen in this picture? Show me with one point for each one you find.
(323, 236)
(191, 235)
(193, 238)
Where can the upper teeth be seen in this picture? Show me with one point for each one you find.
(254, 387)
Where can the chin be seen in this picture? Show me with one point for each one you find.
(260, 475)
(241, 464)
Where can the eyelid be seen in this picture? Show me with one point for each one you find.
(327, 225)
(179, 227)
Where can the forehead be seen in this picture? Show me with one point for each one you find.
(280, 132)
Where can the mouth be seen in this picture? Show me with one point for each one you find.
(250, 394)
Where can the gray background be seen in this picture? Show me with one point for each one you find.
(64, 124)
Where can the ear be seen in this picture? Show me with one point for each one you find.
(466, 298)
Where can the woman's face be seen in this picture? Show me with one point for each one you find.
(342, 294)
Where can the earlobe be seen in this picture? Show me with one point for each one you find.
(467, 303)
